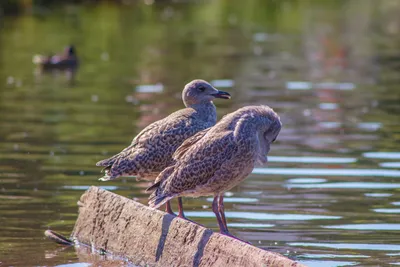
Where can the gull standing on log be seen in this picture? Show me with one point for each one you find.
(217, 159)
(151, 150)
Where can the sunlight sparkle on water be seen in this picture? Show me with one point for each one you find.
(86, 187)
(377, 226)
(327, 263)
(306, 180)
(250, 225)
(387, 210)
(236, 200)
(311, 159)
(263, 216)
(223, 83)
(347, 185)
(351, 246)
(390, 164)
(327, 172)
(377, 194)
(382, 155)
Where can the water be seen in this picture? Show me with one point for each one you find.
(329, 196)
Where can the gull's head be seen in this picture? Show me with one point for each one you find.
(268, 133)
(200, 91)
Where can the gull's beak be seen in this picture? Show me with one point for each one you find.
(222, 94)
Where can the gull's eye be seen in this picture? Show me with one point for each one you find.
(202, 88)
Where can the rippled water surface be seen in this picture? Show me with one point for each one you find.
(330, 193)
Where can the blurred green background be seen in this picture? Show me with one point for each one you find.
(330, 68)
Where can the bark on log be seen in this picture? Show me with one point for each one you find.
(150, 237)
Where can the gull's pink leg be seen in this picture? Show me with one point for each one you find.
(180, 208)
(219, 219)
(221, 210)
(168, 208)
(181, 214)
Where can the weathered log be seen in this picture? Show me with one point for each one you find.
(148, 237)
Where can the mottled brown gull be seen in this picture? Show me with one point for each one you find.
(151, 150)
(217, 159)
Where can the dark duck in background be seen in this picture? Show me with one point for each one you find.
(67, 60)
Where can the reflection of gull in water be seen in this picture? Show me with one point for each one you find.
(217, 159)
(151, 150)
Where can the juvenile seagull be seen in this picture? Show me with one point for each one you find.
(151, 150)
(217, 159)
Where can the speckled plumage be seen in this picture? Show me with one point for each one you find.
(217, 159)
(151, 150)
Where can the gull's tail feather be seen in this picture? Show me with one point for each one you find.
(118, 165)
(156, 201)
(112, 168)
(110, 161)
(107, 162)
(157, 198)
(161, 177)
(153, 187)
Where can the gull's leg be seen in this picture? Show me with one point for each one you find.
(180, 208)
(181, 214)
(221, 210)
(168, 208)
(216, 211)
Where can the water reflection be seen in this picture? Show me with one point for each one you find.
(332, 174)
(236, 200)
(75, 265)
(331, 256)
(150, 88)
(387, 210)
(306, 180)
(86, 187)
(351, 246)
(223, 83)
(328, 106)
(390, 164)
(378, 227)
(311, 160)
(378, 194)
(262, 216)
(328, 172)
(382, 155)
(328, 263)
(347, 185)
(250, 225)
(301, 85)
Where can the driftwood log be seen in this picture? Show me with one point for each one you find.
(147, 237)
